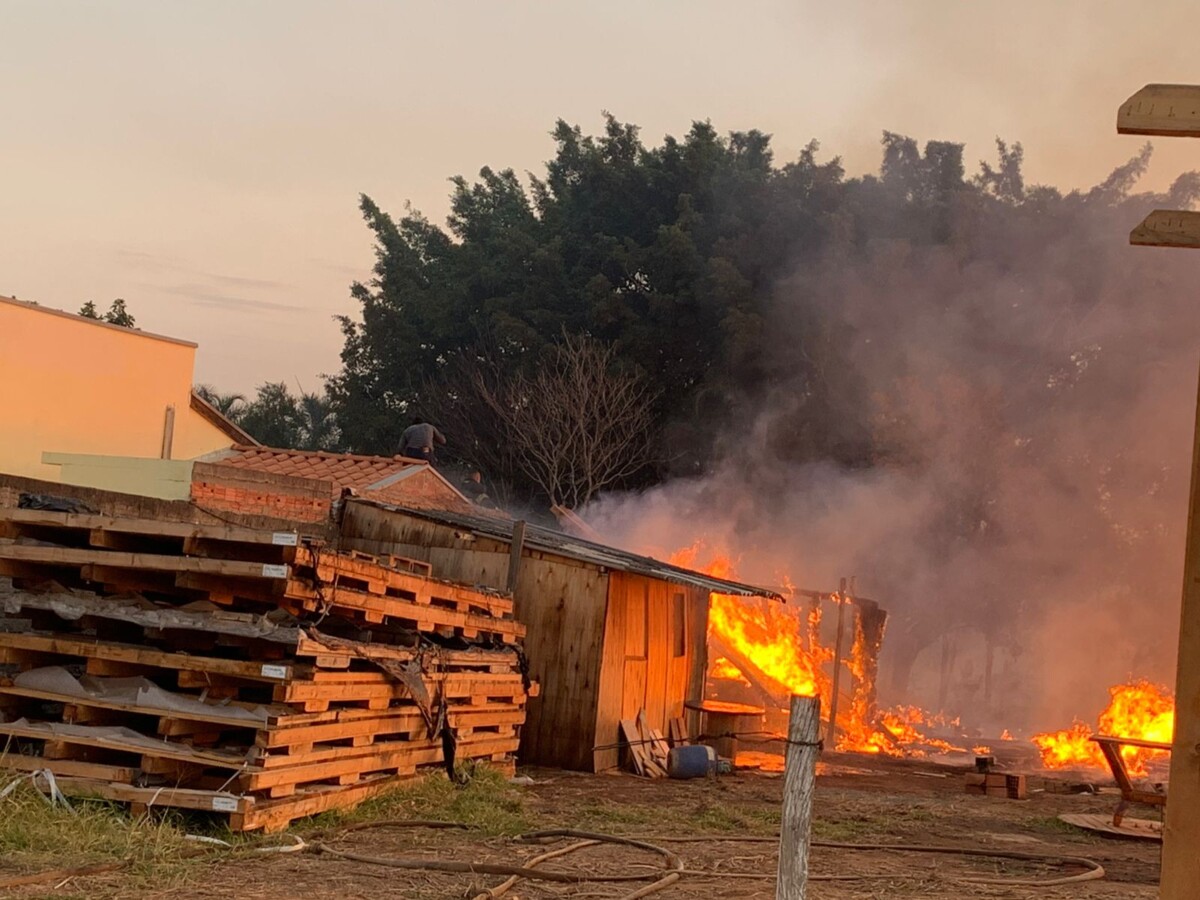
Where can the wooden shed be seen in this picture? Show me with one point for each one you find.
(609, 632)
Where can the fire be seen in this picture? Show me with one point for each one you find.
(783, 644)
(764, 632)
(1141, 710)
(723, 668)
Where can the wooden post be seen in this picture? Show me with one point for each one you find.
(1171, 110)
(168, 431)
(1181, 830)
(831, 732)
(799, 783)
(514, 554)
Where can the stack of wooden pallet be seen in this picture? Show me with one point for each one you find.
(251, 673)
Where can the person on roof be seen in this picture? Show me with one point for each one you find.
(419, 440)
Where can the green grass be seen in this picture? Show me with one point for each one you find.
(487, 803)
(35, 836)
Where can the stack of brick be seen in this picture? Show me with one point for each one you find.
(254, 673)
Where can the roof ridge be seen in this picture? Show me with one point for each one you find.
(327, 454)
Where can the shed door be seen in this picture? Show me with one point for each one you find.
(649, 648)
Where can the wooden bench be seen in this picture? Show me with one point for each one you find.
(723, 721)
(1111, 748)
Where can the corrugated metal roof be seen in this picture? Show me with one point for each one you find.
(548, 540)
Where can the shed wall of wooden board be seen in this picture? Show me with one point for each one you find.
(654, 656)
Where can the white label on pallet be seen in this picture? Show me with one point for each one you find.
(285, 538)
(224, 804)
(273, 571)
(274, 671)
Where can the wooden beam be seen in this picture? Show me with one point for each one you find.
(1170, 110)
(831, 731)
(1168, 228)
(168, 431)
(1181, 829)
(514, 557)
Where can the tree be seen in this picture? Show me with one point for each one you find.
(117, 313)
(273, 417)
(228, 405)
(577, 426)
(667, 253)
(317, 422)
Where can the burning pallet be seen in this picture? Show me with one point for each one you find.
(243, 672)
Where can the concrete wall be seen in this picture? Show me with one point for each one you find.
(74, 385)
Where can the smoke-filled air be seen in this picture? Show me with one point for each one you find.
(990, 432)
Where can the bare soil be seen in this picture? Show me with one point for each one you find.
(859, 800)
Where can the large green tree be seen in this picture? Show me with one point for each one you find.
(669, 253)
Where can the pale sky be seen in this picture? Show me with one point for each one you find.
(203, 160)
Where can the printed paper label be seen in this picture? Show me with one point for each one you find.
(274, 571)
(274, 671)
(285, 538)
(224, 804)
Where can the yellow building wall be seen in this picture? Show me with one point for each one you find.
(76, 386)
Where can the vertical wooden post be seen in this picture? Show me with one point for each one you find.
(168, 431)
(799, 783)
(514, 554)
(831, 732)
(988, 663)
(1181, 830)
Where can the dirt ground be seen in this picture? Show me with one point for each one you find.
(858, 801)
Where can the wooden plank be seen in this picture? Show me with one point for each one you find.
(94, 649)
(633, 739)
(400, 757)
(71, 556)
(1169, 110)
(161, 749)
(449, 684)
(185, 798)
(234, 624)
(155, 527)
(1168, 228)
(391, 721)
(70, 767)
(76, 700)
(514, 558)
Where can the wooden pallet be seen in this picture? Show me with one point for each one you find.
(379, 608)
(370, 575)
(129, 533)
(266, 718)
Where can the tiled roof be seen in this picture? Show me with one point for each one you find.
(343, 469)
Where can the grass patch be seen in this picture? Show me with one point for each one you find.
(850, 830)
(602, 815)
(745, 820)
(1056, 826)
(35, 836)
(486, 802)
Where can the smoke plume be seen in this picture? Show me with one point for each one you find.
(1028, 386)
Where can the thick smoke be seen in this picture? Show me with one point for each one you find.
(1030, 388)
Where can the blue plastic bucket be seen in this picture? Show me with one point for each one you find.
(691, 761)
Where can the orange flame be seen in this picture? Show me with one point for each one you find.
(784, 645)
(1141, 710)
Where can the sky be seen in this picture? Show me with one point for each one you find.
(204, 160)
